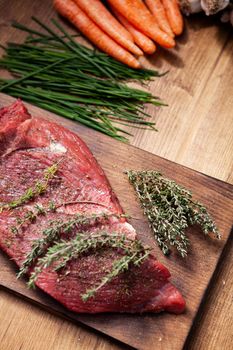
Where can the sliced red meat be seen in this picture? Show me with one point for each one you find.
(30, 145)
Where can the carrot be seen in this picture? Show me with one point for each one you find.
(69, 10)
(157, 9)
(145, 43)
(138, 14)
(96, 11)
(174, 15)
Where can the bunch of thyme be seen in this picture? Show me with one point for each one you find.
(54, 231)
(170, 209)
(32, 192)
(62, 252)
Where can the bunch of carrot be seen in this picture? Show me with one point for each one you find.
(126, 28)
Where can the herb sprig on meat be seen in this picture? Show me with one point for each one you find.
(58, 255)
(32, 192)
(58, 227)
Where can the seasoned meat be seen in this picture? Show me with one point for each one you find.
(28, 146)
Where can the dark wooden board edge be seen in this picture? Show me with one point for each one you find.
(55, 312)
(227, 247)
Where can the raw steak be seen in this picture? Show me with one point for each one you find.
(28, 146)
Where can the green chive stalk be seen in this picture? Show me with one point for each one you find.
(53, 71)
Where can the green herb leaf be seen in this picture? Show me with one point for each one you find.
(54, 231)
(170, 209)
(62, 252)
(53, 71)
(39, 188)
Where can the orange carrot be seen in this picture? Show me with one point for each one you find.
(98, 13)
(157, 9)
(174, 15)
(145, 43)
(69, 10)
(138, 14)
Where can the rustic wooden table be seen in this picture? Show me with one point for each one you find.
(196, 130)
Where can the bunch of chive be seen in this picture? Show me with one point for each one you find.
(53, 71)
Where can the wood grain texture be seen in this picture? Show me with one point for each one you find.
(191, 277)
(195, 130)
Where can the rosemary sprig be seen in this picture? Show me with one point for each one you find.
(62, 252)
(54, 231)
(170, 209)
(56, 73)
(32, 192)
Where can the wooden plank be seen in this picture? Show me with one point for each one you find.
(192, 276)
(201, 49)
(22, 318)
(196, 129)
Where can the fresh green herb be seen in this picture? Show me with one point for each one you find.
(170, 209)
(62, 252)
(56, 73)
(91, 61)
(54, 231)
(38, 210)
(7, 243)
(31, 215)
(32, 192)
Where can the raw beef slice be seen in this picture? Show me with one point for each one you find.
(28, 146)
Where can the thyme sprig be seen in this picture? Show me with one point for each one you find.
(170, 209)
(32, 192)
(135, 254)
(62, 252)
(31, 215)
(54, 231)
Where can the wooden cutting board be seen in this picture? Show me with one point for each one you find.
(192, 276)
